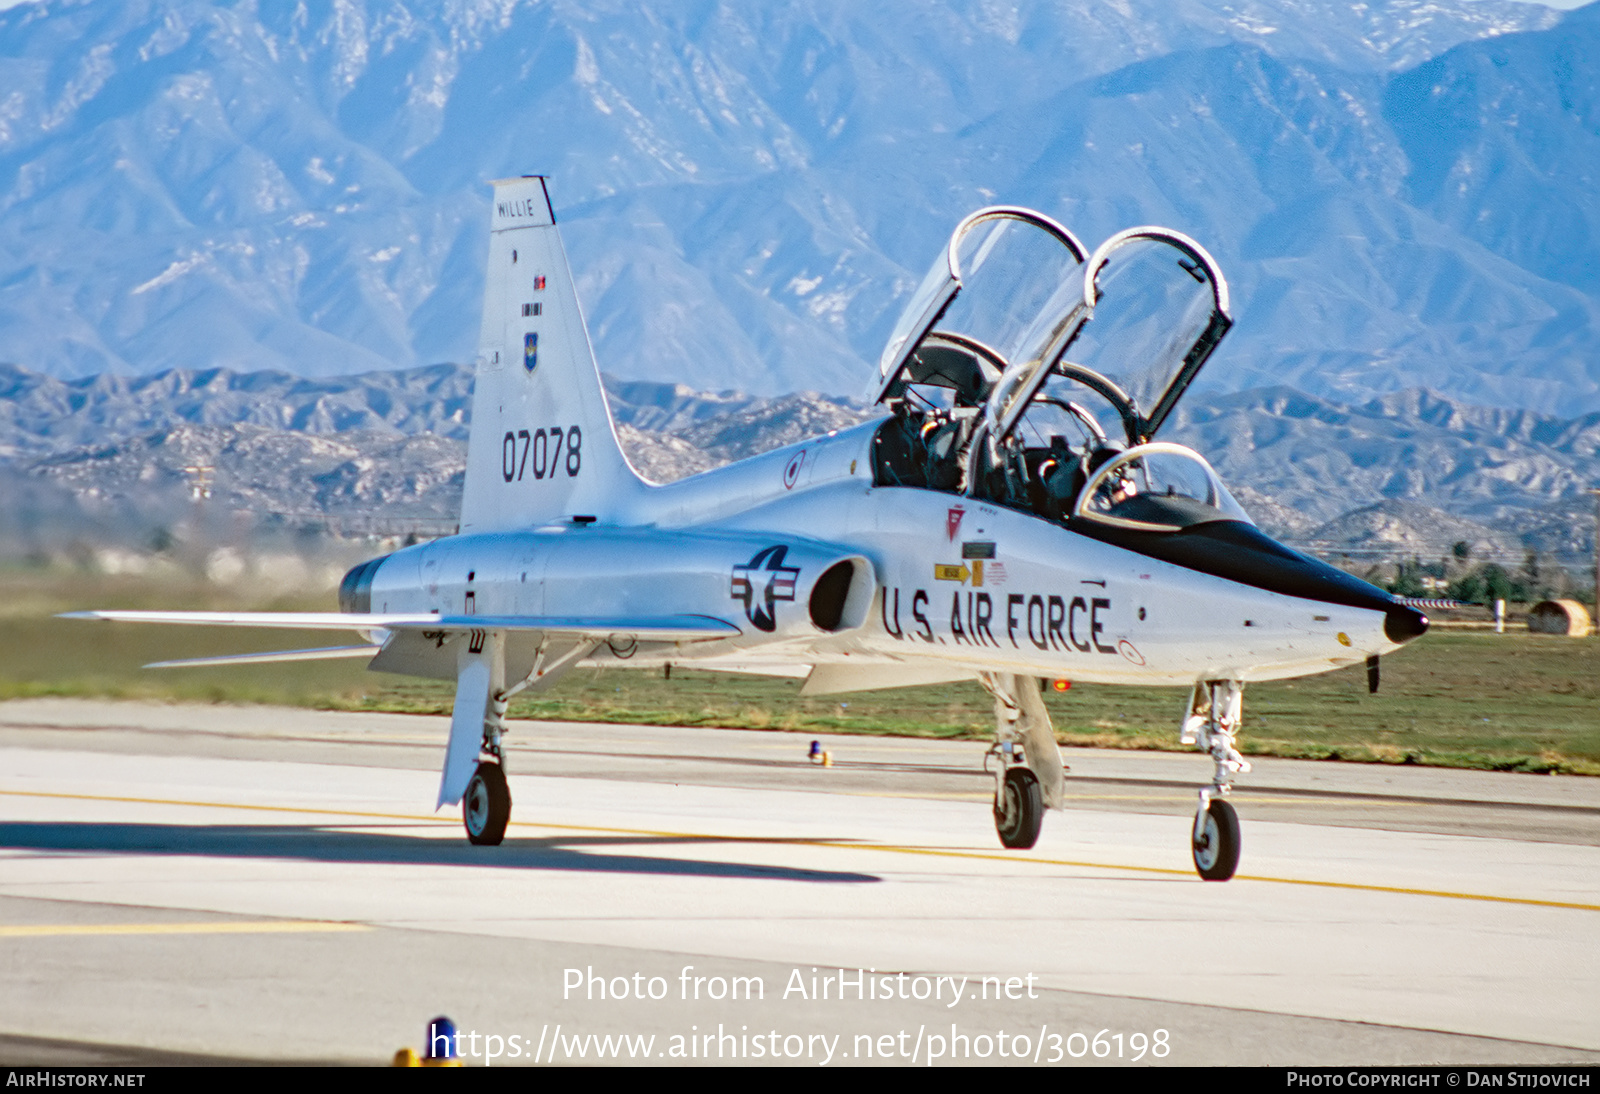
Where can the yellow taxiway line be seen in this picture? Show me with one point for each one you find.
(270, 926)
(848, 845)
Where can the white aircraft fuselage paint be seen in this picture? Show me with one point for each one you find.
(1047, 602)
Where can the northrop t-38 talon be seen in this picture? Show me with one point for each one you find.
(1009, 516)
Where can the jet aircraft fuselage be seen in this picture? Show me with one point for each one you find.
(937, 578)
(1011, 515)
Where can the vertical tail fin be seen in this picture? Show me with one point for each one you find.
(543, 446)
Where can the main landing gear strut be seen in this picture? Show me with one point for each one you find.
(1029, 776)
(486, 802)
(1214, 712)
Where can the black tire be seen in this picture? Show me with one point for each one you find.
(1019, 812)
(1216, 851)
(486, 806)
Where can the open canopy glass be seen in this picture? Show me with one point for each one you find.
(1159, 307)
(1012, 308)
(1021, 365)
(1004, 273)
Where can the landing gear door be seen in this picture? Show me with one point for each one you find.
(1160, 308)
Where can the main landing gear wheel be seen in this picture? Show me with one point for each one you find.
(1019, 811)
(1216, 847)
(486, 808)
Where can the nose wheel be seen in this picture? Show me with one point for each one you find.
(486, 807)
(1216, 841)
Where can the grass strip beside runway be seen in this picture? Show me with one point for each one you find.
(1514, 702)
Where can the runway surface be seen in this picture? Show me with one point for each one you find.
(213, 883)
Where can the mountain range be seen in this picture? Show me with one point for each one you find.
(127, 459)
(1403, 192)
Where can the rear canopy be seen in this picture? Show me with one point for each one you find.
(1013, 317)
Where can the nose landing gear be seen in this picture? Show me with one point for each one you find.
(1215, 707)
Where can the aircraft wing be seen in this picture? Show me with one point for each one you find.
(669, 628)
(300, 621)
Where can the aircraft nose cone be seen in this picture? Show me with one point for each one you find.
(1403, 623)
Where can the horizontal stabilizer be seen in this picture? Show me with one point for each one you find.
(670, 628)
(271, 657)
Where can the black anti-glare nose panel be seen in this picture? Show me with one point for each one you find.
(1238, 551)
